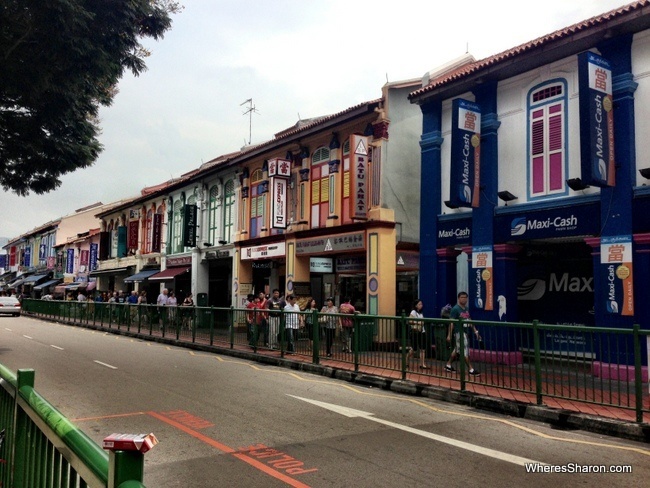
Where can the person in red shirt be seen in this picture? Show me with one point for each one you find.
(253, 319)
(347, 324)
(264, 324)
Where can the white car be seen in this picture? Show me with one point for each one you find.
(9, 306)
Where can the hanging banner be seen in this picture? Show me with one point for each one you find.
(616, 266)
(3, 261)
(596, 120)
(42, 251)
(156, 233)
(359, 177)
(133, 234)
(189, 226)
(94, 250)
(69, 264)
(483, 283)
(279, 203)
(465, 168)
(27, 257)
(83, 260)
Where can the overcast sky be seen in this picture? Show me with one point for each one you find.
(294, 58)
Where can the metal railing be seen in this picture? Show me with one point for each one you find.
(603, 366)
(41, 447)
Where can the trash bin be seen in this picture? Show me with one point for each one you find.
(366, 329)
(442, 347)
(203, 315)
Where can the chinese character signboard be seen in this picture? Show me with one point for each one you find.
(279, 167)
(481, 281)
(359, 177)
(465, 168)
(616, 266)
(28, 256)
(262, 252)
(596, 120)
(156, 238)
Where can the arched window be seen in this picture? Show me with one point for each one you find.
(177, 227)
(228, 210)
(213, 231)
(547, 143)
(258, 203)
(320, 187)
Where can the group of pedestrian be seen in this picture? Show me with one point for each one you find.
(167, 305)
(263, 315)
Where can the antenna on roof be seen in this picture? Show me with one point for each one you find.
(298, 116)
(386, 77)
(251, 108)
(466, 47)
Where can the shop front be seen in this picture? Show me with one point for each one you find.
(176, 277)
(261, 268)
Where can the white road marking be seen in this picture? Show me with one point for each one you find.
(27, 337)
(350, 412)
(107, 365)
(56, 347)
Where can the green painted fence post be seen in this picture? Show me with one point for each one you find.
(638, 379)
(232, 327)
(125, 466)
(24, 377)
(315, 332)
(402, 324)
(538, 363)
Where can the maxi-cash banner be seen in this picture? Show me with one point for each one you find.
(596, 120)
(616, 266)
(465, 154)
(482, 282)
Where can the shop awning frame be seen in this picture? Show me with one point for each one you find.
(169, 274)
(141, 276)
(102, 272)
(35, 278)
(46, 284)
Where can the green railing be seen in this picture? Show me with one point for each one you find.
(42, 448)
(588, 364)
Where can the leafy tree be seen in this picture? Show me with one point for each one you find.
(59, 61)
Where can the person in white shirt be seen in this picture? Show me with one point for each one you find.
(292, 321)
(162, 302)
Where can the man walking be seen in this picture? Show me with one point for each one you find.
(162, 303)
(275, 304)
(461, 311)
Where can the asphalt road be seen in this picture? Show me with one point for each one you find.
(229, 422)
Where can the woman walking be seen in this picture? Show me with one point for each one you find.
(418, 333)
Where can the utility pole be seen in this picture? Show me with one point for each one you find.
(251, 108)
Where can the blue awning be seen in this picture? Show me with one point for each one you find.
(141, 276)
(46, 284)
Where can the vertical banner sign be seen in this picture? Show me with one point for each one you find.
(483, 282)
(279, 203)
(133, 234)
(94, 251)
(156, 232)
(69, 264)
(28, 256)
(42, 251)
(51, 262)
(359, 177)
(616, 264)
(465, 175)
(189, 226)
(596, 120)
(3, 261)
(83, 260)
